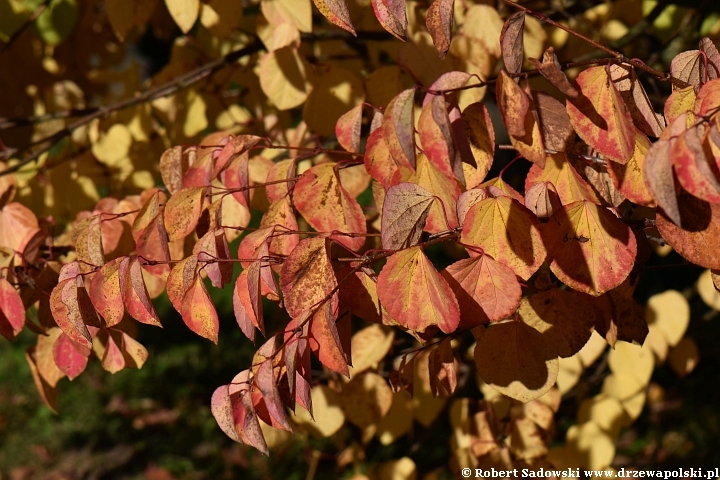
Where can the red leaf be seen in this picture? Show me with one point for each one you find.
(12, 310)
(181, 279)
(391, 15)
(325, 340)
(379, 163)
(244, 306)
(592, 250)
(135, 294)
(237, 176)
(68, 357)
(415, 294)
(265, 380)
(281, 170)
(18, 225)
(71, 312)
(199, 172)
(152, 245)
(112, 359)
(347, 129)
(693, 168)
(222, 409)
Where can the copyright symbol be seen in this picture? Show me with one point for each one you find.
(466, 472)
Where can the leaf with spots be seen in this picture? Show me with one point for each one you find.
(405, 211)
(307, 277)
(392, 16)
(347, 129)
(326, 205)
(198, 311)
(337, 12)
(415, 294)
(105, 293)
(398, 128)
(182, 212)
(520, 120)
(439, 21)
(135, 293)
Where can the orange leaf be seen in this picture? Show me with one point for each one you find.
(629, 178)
(105, 293)
(135, 294)
(152, 245)
(180, 280)
(307, 276)
(182, 212)
(326, 205)
(633, 93)
(507, 231)
(379, 163)
(281, 170)
(198, 311)
(325, 339)
(520, 119)
(600, 116)
(18, 225)
(568, 183)
(486, 290)
(592, 250)
(443, 186)
(415, 294)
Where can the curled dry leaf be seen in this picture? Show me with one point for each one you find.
(551, 69)
(415, 294)
(405, 211)
(633, 93)
(600, 116)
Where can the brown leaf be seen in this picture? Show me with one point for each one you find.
(405, 212)
(480, 134)
(511, 42)
(633, 93)
(439, 21)
(391, 15)
(337, 12)
(326, 338)
(557, 131)
(551, 69)
(443, 375)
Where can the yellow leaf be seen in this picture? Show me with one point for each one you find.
(595, 447)
(628, 390)
(195, 119)
(383, 84)
(298, 12)
(221, 17)
(707, 290)
(184, 12)
(606, 411)
(402, 469)
(113, 147)
(284, 78)
(369, 346)
(483, 23)
(335, 92)
(592, 349)
(670, 311)
(329, 416)
(398, 421)
(633, 359)
(366, 399)
(570, 371)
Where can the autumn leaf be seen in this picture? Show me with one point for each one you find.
(182, 212)
(415, 294)
(439, 21)
(391, 15)
(519, 119)
(198, 311)
(105, 293)
(511, 42)
(347, 129)
(514, 359)
(600, 115)
(443, 186)
(507, 231)
(69, 357)
(542, 199)
(12, 310)
(633, 93)
(629, 178)
(557, 132)
(480, 135)
(135, 293)
(568, 183)
(337, 12)
(486, 290)
(307, 277)
(551, 69)
(326, 205)
(591, 250)
(405, 212)
(398, 128)
(325, 338)
(378, 161)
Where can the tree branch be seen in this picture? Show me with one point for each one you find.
(41, 8)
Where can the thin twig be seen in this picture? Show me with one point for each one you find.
(41, 8)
